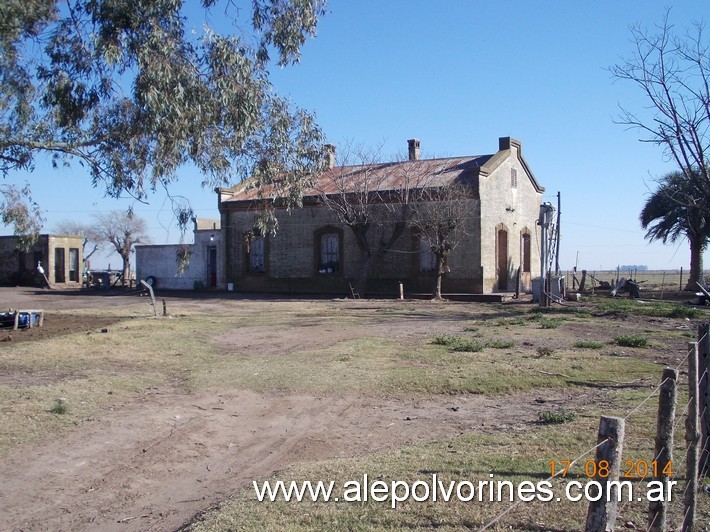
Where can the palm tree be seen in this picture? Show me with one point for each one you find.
(678, 209)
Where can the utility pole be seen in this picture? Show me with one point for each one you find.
(557, 250)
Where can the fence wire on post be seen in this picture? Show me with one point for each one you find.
(692, 438)
(602, 513)
(704, 395)
(658, 510)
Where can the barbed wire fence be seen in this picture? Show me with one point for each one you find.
(665, 472)
(661, 281)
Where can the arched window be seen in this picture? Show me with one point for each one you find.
(255, 247)
(256, 254)
(502, 256)
(328, 252)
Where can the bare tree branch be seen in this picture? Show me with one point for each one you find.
(674, 74)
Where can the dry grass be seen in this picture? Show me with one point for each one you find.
(505, 456)
(91, 371)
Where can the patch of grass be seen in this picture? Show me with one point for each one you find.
(654, 309)
(631, 341)
(31, 415)
(512, 321)
(566, 311)
(545, 351)
(588, 344)
(503, 456)
(549, 417)
(59, 407)
(468, 345)
(500, 344)
(445, 339)
(550, 323)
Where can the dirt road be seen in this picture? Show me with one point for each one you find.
(154, 461)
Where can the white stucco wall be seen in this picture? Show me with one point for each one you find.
(160, 262)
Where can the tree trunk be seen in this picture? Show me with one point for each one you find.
(126, 269)
(697, 245)
(360, 234)
(437, 280)
(363, 271)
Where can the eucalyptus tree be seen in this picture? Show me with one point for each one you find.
(134, 90)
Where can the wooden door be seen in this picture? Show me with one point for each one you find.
(59, 266)
(212, 267)
(502, 259)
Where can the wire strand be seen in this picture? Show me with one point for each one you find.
(517, 503)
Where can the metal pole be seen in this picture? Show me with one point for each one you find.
(557, 250)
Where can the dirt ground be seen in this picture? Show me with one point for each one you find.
(155, 461)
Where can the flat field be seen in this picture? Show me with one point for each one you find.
(113, 419)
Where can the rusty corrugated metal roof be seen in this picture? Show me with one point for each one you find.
(382, 177)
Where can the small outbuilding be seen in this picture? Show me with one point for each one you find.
(59, 256)
(159, 264)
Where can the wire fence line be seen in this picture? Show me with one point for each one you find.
(657, 521)
(559, 473)
(656, 280)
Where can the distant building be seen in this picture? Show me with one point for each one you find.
(60, 256)
(205, 267)
(312, 252)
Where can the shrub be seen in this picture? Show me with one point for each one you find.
(445, 339)
(631, 341)
(550, 323)
(500, 344)
(549, 417)
(465, 345)
(588, 344)
(685, 312)
(545, 351)
(59, 407)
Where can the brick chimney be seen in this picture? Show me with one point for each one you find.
(414, 150)
(330, 155)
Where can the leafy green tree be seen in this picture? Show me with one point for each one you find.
(677, 209)
(129, 90)
(18, 210)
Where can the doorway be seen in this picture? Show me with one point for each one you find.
(59, 267)
(212, 266)
(502, 258)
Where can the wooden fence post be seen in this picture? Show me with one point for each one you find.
(704, 394)
(657, 510)
(692, 438)
(601, 514)
(663, 283)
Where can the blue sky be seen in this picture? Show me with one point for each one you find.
(458, 74)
